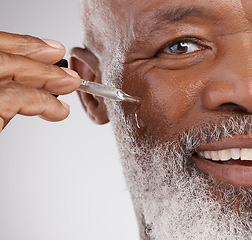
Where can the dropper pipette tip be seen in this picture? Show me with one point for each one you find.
(108, 92)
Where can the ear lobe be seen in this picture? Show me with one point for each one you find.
(87, 65)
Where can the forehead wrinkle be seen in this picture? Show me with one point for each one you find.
(155, 20)
(177, 13)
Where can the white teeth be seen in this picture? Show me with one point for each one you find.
(207, 154)
(214, 155)
(224, 155)
(246, 154)
(235, 153)
(228, 154)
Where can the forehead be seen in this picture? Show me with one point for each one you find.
(139, 8)
(146, 15)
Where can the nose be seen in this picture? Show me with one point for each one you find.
(230, 83)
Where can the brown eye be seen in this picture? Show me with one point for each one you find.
(183, 47)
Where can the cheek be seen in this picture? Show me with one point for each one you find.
(171, 102)
(247, 7)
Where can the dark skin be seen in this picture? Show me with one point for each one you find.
(28, 77)
(145, 58)
(190, 63)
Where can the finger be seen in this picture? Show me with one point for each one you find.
(16, 98)
(38, 75)
(1, 124)
(46, 51)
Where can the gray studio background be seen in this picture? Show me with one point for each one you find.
(59, 180)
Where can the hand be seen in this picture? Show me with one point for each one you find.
(28, 77)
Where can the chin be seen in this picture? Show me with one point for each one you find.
(179, 192)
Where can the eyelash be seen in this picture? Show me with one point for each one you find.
(181, 40)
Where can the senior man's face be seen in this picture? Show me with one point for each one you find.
(187, 148)
(191, 63)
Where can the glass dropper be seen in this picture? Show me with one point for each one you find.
(106, 92)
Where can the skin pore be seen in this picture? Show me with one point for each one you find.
(190, 62)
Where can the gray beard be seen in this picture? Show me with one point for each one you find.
(176, 200)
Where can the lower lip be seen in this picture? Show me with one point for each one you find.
(235, 174)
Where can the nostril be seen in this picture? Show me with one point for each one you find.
(227, 95)
(233, 106)
(230, 104)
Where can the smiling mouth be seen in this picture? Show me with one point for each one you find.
(229, 156)
(229, 160)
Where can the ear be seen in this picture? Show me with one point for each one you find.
(86, 64)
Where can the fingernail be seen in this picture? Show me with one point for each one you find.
(65, 105)
(71, 72)
(53, 43)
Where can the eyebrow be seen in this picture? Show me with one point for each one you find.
(152, 22)
(173, 14)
